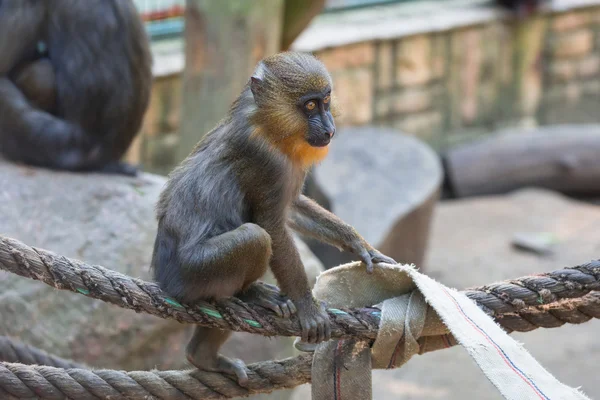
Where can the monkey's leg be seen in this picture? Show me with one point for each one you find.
(202, 352)
(37, 82)
(36, 137)
(225, 265)
(119, 168)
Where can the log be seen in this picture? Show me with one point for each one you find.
(560, 157)
(385, 184)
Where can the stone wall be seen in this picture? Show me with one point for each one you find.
(445, 87)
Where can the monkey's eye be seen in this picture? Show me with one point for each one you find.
(327, 99)
(310, 105)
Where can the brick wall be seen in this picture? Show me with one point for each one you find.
(452, 86)
(445, 87)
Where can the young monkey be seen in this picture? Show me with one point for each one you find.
(225, 213)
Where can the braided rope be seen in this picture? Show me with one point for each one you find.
(543, 300)
(18, 381)
(233, 314)
(16, 352)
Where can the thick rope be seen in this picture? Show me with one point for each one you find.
(18, 381)
(545, 300)
(16, 352)
(232, 314)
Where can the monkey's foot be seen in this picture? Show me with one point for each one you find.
(222, 364)
(269, 297)
(119, 168)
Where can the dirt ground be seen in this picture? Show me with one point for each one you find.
(470, 246)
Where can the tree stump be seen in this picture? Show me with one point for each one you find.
(383, 183)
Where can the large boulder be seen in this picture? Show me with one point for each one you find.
(105, 220)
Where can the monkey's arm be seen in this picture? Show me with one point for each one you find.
(312, 220)
(288, 269)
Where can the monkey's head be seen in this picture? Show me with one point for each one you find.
(295, 108)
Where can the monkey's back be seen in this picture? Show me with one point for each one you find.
(202, 198)
(110, 65)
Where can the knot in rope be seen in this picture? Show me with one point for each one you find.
(405, 315)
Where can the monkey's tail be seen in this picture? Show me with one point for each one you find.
(35, 137)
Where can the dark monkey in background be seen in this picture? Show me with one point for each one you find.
(521, 8)
(78, 103)
(225, 213)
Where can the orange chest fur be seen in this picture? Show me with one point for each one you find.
(302, 153)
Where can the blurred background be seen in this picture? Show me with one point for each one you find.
(446, 71)
(469, 144)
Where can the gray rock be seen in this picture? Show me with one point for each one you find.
(383, 183)
(105, 220)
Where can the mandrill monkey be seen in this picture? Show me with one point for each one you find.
(225, 214)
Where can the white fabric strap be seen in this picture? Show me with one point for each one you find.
(407, 299)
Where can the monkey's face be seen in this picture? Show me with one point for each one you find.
(316, 109)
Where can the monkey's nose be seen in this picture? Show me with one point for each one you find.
(331, 133)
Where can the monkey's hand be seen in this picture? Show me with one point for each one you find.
(370, 255)
(314, 320)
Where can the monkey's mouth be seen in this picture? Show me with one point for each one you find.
(319, 142)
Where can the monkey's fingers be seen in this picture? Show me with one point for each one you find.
(367, 260)
(326, 322)
(316, 327)
(378, 257)
(324, 329)
(305, 325)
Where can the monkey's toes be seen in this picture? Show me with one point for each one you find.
(283, 308)
(269, 297)
(234, 367)
(224, 365)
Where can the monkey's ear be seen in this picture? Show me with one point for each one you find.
(255, 85)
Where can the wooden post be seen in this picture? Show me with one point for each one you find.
(297, 15)
(223, 42)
